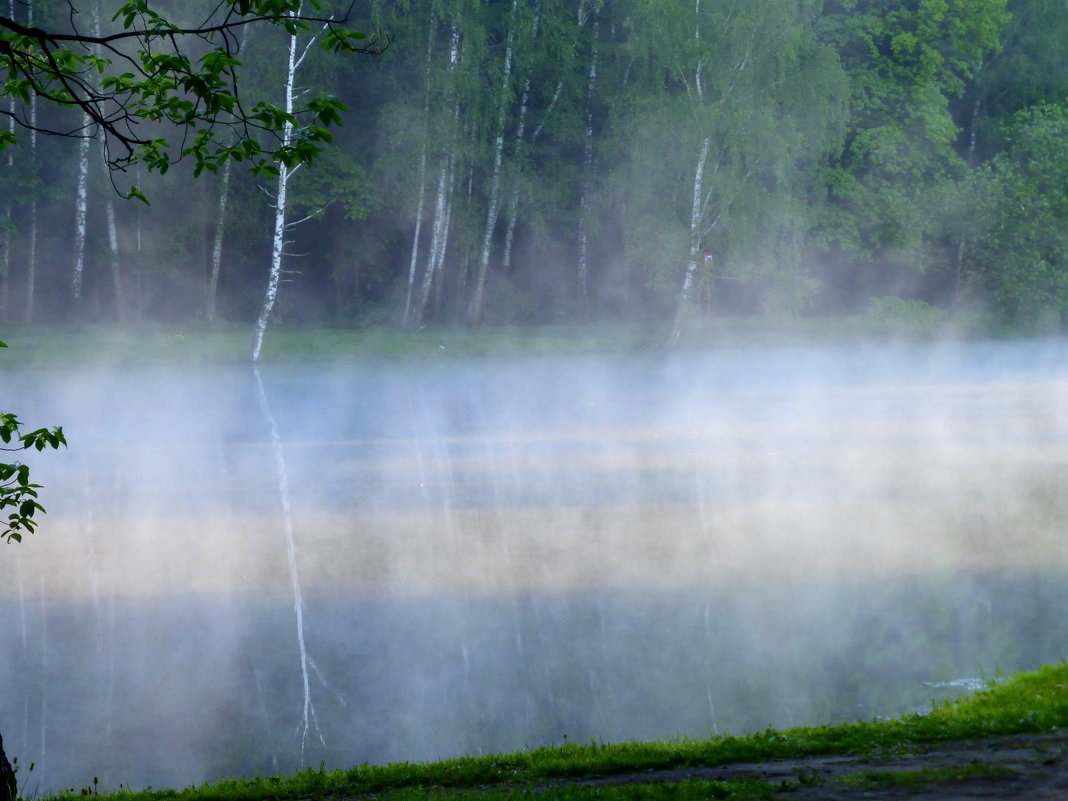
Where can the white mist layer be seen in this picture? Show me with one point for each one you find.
(487, 556)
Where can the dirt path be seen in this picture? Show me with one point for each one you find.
(1032, 767)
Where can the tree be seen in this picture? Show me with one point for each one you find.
(754, 99)
(906, 62)
(1028, 69)
(140, 82)
(1021, 249)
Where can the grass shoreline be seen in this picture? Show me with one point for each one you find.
(228, 343)
(1032, 702)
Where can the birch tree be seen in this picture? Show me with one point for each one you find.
(217, 244)
(474, 309)
(442, 219)
(296, 56)
(81, 201)
(587, 158)
(413, 262)
(743, 93)
(6, 224)
(31, 249)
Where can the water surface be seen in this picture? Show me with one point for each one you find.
(373, 562)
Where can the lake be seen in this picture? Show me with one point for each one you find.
(244, 573)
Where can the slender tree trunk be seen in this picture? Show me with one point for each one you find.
(587, 172)
(81, 198)
(113, 243)
(439, 236)
(137, 309)
(81, 201)
(31, 249)
(696, 215)
(220, 227)
(962, 245)
(474, 309)
(5, 247)
(277, 251)
(217, 244)
(520, 129)
(5, 264)
(278, 241)
(406, 319)
(80, 213)
(513, 204)
(5, 239)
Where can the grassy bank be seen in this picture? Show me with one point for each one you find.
(201, 343)
(1027, 703)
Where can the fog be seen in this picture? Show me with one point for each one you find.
(242, 573)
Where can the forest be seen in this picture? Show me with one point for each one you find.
(549, 161)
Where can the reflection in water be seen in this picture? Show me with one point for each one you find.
(308, 718)
(488, 556)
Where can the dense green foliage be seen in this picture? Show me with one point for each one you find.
(139, 83)
(1030, 702)
(541, 161)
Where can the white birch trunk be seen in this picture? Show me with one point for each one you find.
(962, 245)
(113, 239)
(81, 202)
(217, 244)
(587, 171)
(220, 228)
(278, 238)
(520, 129)
(513, 204)
(406, 318)
(439, 238)
(474, 310)
(513, 201)
(509, 231)
(5, 246)
(439, 264)
(81, 197)
(696, 215)
(31, 253)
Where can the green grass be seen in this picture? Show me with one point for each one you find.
(1029, 702)
(186, 344)
(223, 343)
(690, 790)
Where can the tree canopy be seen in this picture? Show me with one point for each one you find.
(161, 89)
(530, 161)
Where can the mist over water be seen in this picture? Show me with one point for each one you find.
(495, 554)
